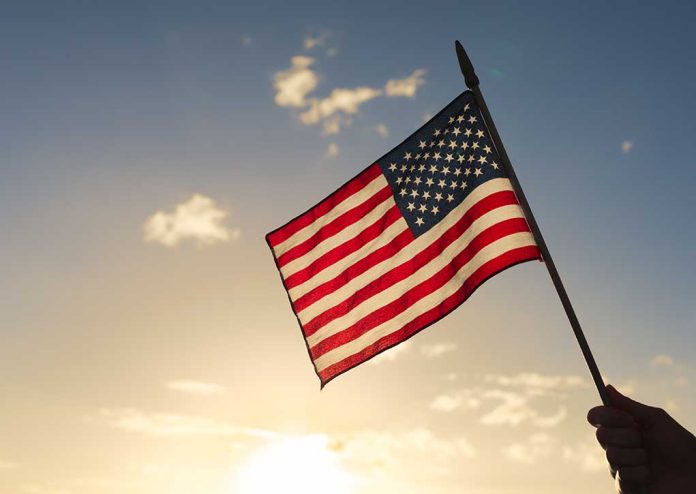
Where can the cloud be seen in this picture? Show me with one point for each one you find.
(627, 146)
(195, 387)
(438, 349)
(515, 409)
(246, 40)
(294, 84)
(407, 86)
(382, 130)
(198, 219)
(537, 446)
(588, 455)
(173, 425)
(391, 354)
(314, 41)
(662, 360)
(456, 401)
(538, 381)
(332, 150)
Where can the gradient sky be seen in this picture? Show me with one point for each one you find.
(146, 360)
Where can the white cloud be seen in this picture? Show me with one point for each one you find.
(347, 101)
(407, 86)
(198, 219)
(438, 349)
(588, 455)
(452, 402)
(533, 380)
(391, 354)
(627, 146)
(537, 446)
(195, 387)
(515, 409)
(332, 150)
(314, 41)
(382, 130)
(294, 84)
(246, 40)
(173, 425)
(662, 360)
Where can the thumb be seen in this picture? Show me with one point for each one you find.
(643, 414)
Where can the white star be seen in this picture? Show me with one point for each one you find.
(414, 193)
(433, 169)
(467, 132)
(407, 156)
(450, 198)
(421, 144)
(460, 158)
(466, 107)
(479, 133)
(426, 156)
(437, 156)
(403, 168)
(437, 133)
(417, 181)
(460, 118)
(449, 158)
(453, 184)
(471, 158)
(402, 192)
(494, 165)
(422, 208)
(392, 167)
(435, 210)
(426, 195)
(475, 145)
(399, 180)
(487, 148)
(463, 186)
(451, 119)
(445, 170)
(421, 168)
(429, 181)
(438, 196)
(452, 144)
(472, 119)
(478, 172)
(482, 159)
(419, 221)
(467, 172)
(457, 172)
(465, 144)
(410, 206)
(456, 131)
(441, 183)
(441, 143)
(417, 156)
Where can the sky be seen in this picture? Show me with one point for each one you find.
(148, 346)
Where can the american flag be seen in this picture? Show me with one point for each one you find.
(403, 243)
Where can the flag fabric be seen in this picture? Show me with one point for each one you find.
(403, 243)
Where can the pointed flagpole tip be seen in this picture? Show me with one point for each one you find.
(470, 77)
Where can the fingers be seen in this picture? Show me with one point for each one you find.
(628, 478)
(626, 457)
(623, 437)
(609, 417)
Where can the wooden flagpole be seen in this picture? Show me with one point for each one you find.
(472, 82)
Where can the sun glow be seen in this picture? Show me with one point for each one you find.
(299, 464)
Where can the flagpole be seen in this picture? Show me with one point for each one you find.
(472, 82)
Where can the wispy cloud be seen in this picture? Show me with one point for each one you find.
(333, 112)
(627, 146)
(198, 219)
(174, 425)
(391, 354)
(294, 84)
(536, 447)
(406, 87)
(195, 387)
(332, 150)
(534, 380)
(662, 360)
(246, 40)
(311, 42)
(438, 349)
(515, 409)
(588, 455)
(382, 130)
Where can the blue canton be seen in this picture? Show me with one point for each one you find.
(435, 169)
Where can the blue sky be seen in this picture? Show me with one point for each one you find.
(113, 111)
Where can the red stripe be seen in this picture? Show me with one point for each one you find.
(343, 221)
(424, 288)
(348, 189)
(407, 268)
(346, 248)
(372, 259)
(477, 278)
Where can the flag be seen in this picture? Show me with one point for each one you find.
(403, 243)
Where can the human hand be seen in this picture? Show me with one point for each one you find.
(644, 445)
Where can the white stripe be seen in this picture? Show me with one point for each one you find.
(380, 299)
(427, 303)
(347, 204)
(330, 272)
(342, 236)
(408, 252)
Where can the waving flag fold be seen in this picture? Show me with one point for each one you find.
(403, 243)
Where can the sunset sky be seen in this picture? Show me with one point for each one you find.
(146, 343)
